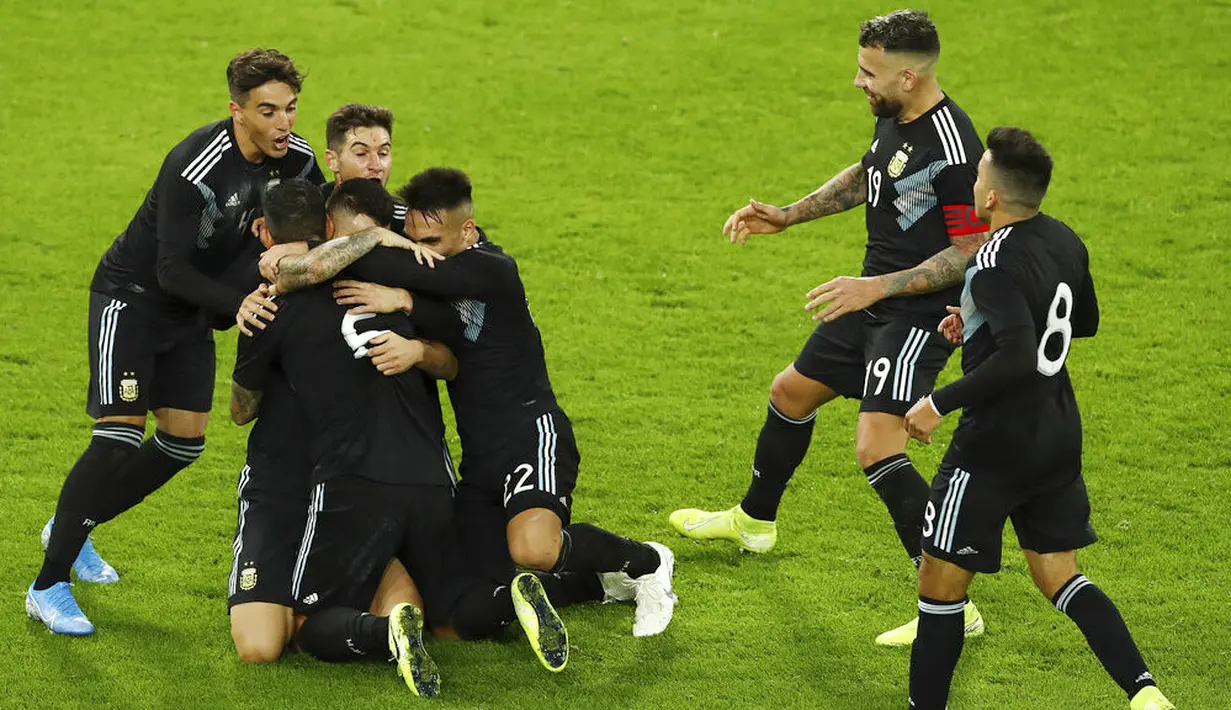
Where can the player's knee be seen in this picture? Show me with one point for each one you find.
(257, 647)
(531, 551)
(789, 397)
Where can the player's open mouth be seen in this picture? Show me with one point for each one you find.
(281, 143)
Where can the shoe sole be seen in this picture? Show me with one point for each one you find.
(415, 666)
(542, 624)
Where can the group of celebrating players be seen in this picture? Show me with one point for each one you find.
(353, 540)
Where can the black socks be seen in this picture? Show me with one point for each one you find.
(780, 449)
(588, 548)
(89, 482)
(1099, 620)
(340, 634)
(905, 494)
(934, 656)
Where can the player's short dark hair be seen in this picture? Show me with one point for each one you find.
(351, 116)
(363, 196)
(435, 190)
(253, 67)
(901, 31)
(1022, 163)
(294, 211)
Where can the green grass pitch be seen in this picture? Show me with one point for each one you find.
(608, 142)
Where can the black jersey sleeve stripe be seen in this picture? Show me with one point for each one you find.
(957, 136)
(205, 154)
(944, 138)
(214, 158)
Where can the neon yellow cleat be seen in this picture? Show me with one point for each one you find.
(735, 525)
(539, 620)
(1150, 698)
(905, 634)
(406, 644)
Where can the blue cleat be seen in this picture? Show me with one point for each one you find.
(56, 607)
(89, 566)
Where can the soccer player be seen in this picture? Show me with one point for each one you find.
(359, 143)
(519, 457)
(380, 484)
(876, 341)
(151, 302)
(274, 485)
(1016, 453)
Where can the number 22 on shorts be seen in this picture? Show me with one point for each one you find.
(522, 473)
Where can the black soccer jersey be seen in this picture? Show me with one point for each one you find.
(1028, 293)
(275, 444)
(502, 377)
(920, 179)
(398, 224)
(196, 220)
(362, 422)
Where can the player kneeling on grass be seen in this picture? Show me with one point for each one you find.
(381, 488)
(520, 459)
(1016, 453)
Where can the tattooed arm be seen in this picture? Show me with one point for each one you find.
(845, 190)
(325, 261)
(946, 268)
(244, 404)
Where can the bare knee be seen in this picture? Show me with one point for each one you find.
(181, 422)
(1050, 571)
(257, 647)
(797, 396)
(878, 436)
(943, 580)
(534, 539)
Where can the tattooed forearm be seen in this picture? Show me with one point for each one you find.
(244, 404)
(945, 269)
(325, 261)
(842, 192)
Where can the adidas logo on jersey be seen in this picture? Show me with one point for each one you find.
(311, 598)
(968, 551)
(233, 200)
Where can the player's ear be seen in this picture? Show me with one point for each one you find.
(992, 201)
(331, 161)
(468, 227)
(330, 228)
(262, 233)
(236, 111)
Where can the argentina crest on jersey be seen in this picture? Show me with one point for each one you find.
(897, 164)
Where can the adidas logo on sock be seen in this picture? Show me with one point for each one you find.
(1144, 676)
(968, 551)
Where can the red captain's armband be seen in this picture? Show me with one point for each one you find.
(961, 220)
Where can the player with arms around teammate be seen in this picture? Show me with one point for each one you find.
(519, 457)
(877, 341)
(1016, 453)
(151, 303)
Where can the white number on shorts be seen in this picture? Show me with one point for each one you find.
(524, 470)
(1058, 323)
(880, 368)
(874, 186)
(929, 518)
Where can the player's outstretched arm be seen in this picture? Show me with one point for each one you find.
(325, 261)
(842, 192)
(245, 404)
(847, 294)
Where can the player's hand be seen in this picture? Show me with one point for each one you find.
(274, 254)
(951, 326)
(256, 306)
(423, 255)
(755, 218)
(845, 294)
(392, 354)
(366, 297)
(922, 420)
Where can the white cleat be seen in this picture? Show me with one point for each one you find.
(655, 599)
(617, 587)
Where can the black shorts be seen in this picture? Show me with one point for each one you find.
(536, 469)
(273, 510)
(141, 360)
(482, 532)
(889, 364)
(356, 526)
(964, 519)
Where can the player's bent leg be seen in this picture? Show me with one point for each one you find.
(178, 441)
(781, 447)
(261, 631)
(880, 449)
(942, 603)
(535, 537)
(396, 587)
(1057, 576)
